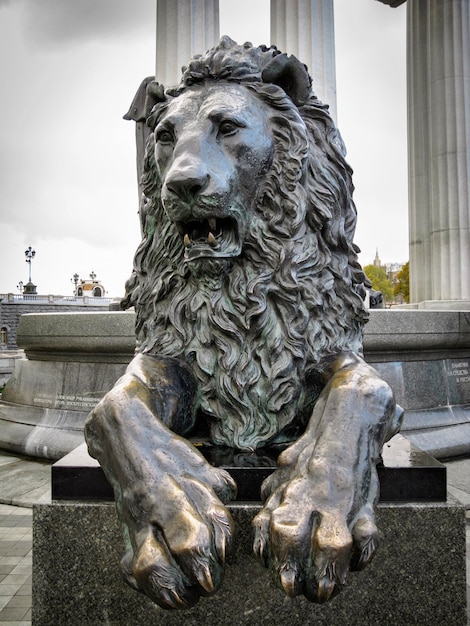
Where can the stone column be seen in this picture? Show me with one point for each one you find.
(305, 28)
(439, 141)
(184, 28)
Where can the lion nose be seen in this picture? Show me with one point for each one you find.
(187, 182)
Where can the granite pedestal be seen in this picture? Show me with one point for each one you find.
(417, 576)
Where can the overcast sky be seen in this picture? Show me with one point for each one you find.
(69, 70)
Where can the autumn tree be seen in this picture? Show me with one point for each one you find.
(380, 282)
(402, 286)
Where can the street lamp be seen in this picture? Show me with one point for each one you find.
(29, 253)
(75, 278)
(19, 286)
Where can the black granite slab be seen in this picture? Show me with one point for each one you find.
(406, 474)
(417, 576)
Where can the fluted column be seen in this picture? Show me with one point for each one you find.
(439, 143)
(184, 28)
(305, 28)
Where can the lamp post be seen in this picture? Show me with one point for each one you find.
(75, 278)
(29, 288)
(30, 254)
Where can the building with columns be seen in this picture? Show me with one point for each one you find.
(438, 77)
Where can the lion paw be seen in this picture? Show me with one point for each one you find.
(306, 540)
(180, 533)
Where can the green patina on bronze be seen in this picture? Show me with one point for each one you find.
(250, 314)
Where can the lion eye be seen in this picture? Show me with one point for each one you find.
(164, 136)
(228, 127)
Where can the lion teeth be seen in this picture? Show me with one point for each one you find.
(186, 240)
(211, 240)
(212, 223)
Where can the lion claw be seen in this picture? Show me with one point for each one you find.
(204, 578)
(289, 582)
(326, 587)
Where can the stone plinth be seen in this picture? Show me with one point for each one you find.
(425, 357)
(406, 473)
(71, 361)
(98, 337)
(417, 577)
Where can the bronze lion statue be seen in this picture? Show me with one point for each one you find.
(249, 303)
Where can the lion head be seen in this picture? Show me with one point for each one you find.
(247, 267)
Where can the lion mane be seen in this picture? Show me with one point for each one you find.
(257, 333)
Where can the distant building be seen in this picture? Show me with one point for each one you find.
(377, 261)
(89, 286)
(392, 270)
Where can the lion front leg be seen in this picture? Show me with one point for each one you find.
(169, 499)
(318, 523)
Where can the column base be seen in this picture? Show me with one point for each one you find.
(438, 305)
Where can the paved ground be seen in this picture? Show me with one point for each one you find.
(24, 482)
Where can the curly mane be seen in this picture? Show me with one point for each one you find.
(257, 333)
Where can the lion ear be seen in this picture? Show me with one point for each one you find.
(291, 75)
(148, 94)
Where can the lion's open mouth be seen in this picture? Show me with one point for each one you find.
(213, 237)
